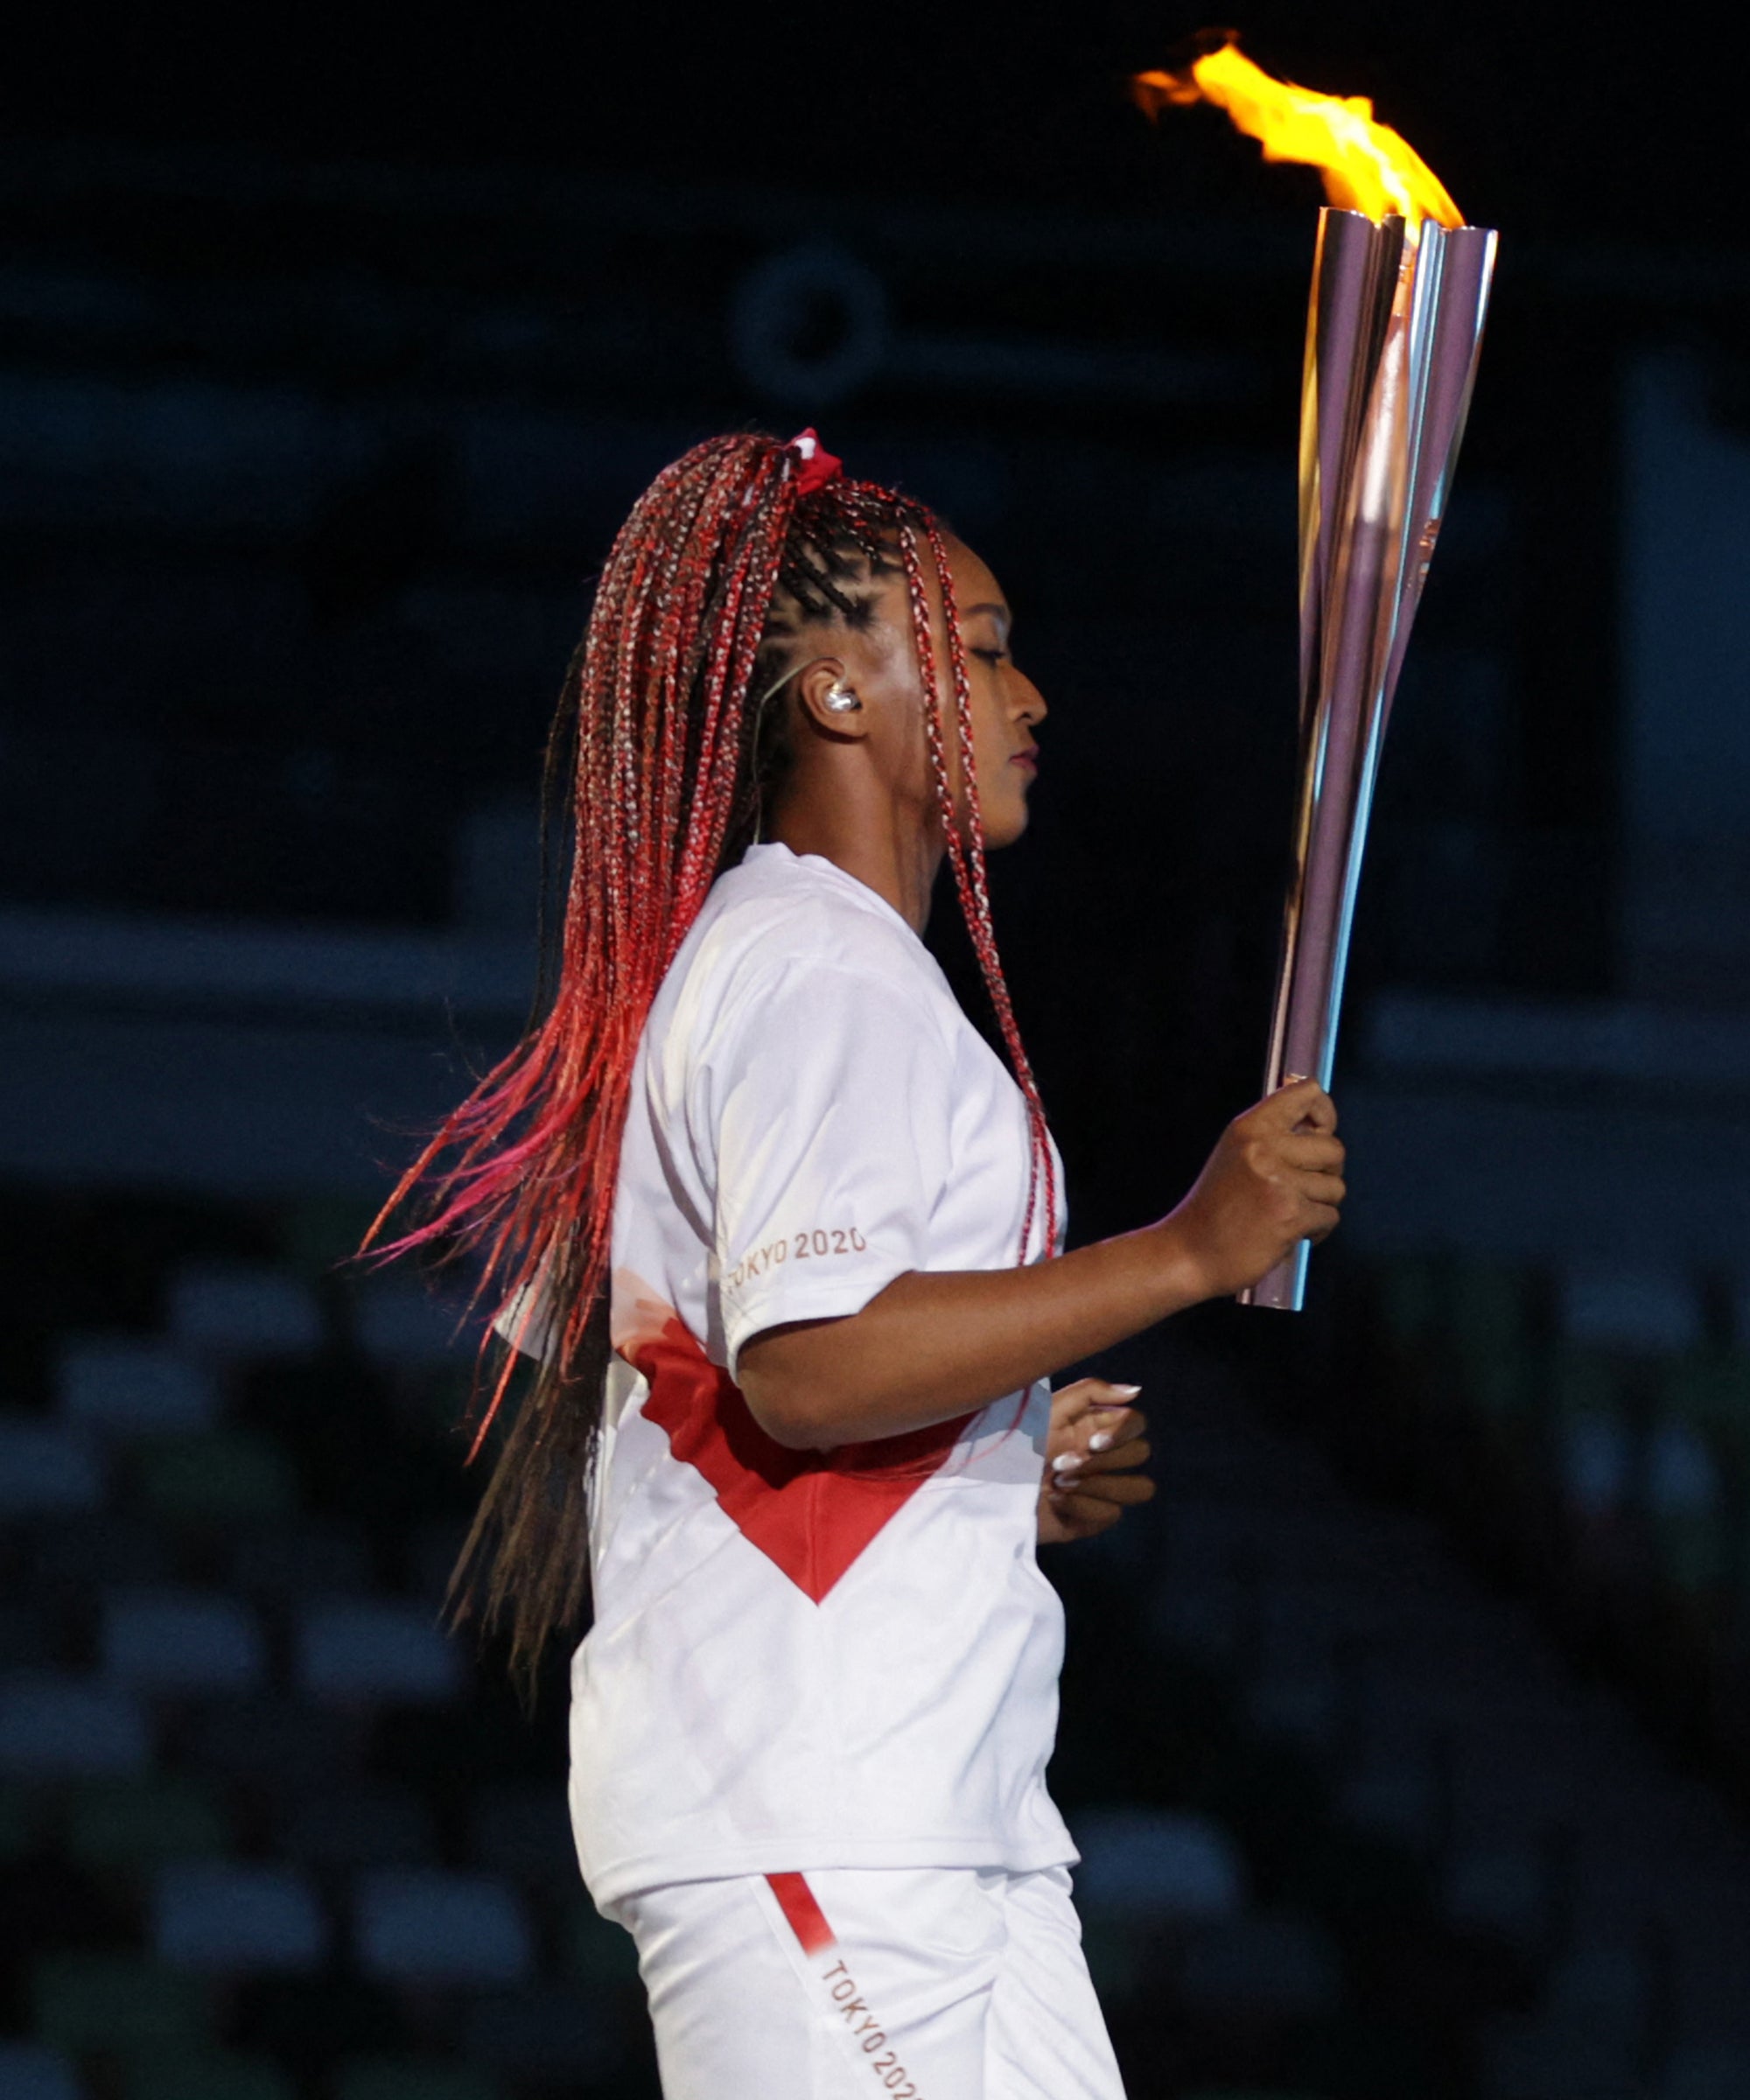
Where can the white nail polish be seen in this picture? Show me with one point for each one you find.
(1129, 1392)
(1066, 1461)
(1101, 1440)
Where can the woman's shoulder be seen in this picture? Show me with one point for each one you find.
(785, 962)
(775, 918)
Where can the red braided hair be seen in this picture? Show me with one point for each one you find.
(662, 763)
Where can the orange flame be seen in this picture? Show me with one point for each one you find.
(1366, 166)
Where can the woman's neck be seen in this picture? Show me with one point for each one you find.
(895, 857)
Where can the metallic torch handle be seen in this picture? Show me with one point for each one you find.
(1394, 327)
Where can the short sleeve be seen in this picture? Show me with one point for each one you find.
(826, 1111)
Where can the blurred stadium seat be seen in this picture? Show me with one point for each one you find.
(375, 1650)
(399, 1322)
(1654, 1310)
(126, 1386)
(29, 2071)
(46, 1469)
(181, 1642)
(222, 1310)
(1154, 1865)
(1501, 1889)
(427, 1927)
(234, 1918)
(1596, 1461)
(53, 1726)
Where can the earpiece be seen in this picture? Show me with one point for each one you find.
(841, 699)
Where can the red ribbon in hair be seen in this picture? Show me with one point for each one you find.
(818, 465)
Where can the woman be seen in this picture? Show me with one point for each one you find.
(785, 1238)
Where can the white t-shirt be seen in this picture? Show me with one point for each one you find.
(805, 1659)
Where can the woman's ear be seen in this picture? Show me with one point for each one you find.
(829, 700)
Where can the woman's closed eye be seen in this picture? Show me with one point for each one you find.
(992, 656)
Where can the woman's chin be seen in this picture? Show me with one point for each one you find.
(1003, 826)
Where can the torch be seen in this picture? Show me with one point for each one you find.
(1400, 287)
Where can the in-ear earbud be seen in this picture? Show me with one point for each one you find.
(841, 699)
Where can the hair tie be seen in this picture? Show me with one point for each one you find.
(818, 465)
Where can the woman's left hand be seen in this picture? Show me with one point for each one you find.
(1092, 1451)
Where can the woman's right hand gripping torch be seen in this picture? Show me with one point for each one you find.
(1275, 1179)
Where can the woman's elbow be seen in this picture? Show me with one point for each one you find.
(784, 1414)
(793, 1404)
(786, 1376)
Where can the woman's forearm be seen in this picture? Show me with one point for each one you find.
(937, 1344)
(933, 1346)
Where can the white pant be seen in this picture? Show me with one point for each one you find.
(850, 1984)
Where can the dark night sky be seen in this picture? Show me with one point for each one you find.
(1533, 118)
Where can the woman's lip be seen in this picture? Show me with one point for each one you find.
(1029, 758)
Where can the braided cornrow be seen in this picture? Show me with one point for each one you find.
(662, 767)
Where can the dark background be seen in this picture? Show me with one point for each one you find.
(1405, 1734)
(1551, 121)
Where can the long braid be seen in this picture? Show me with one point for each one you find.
(660, 759)
(966, 856)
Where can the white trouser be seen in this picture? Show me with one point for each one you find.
(852, 1983)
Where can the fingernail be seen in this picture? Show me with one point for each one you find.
(1066, 1461)
(1099, 1439)
(1129, 1392)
